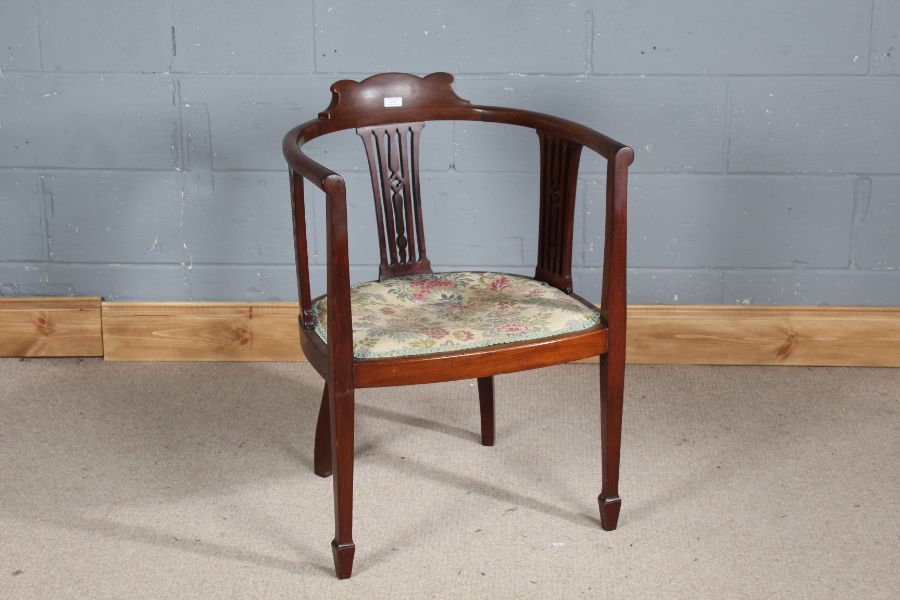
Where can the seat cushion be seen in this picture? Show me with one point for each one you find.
(447, 312)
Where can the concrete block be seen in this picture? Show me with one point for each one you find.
(469, 219)
(812, 125)
(876, 235)
(663, 286)
(114, 216)
(106, 35)
(886, 38)
(18, 36)
(242, 217)
(220, 283)
(481, 219)
(247, 117)
(707, 37)
(362, 230)
(28, 279)
(813, 287)
(437, 35)
(655, 286)
(674, 124)
(22, 234)
(216, 36)
(495, 147)
(729, 221)
(164, 283)
(243, 283)
(87, 121)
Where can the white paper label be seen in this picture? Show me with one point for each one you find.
(393, 101)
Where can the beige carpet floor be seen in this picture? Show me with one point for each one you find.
(155, 480)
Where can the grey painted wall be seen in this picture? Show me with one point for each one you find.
(140, 141)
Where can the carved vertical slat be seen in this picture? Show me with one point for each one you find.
(559, 178)
(396, 185)
(383, 146)
(372, 156)
(392, 151)
(407, 209)
(417, 193)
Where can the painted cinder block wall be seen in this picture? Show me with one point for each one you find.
(140, 141)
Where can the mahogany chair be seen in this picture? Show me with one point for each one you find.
(414, 326)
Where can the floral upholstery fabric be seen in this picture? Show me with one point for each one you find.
(446, 312)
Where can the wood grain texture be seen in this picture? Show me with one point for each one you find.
(764, 335)
(657, 334)
(35, 326)
(204, 331)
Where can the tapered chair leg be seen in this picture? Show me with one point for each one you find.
(341, 404)
(612, 379)
(322, 452)
(486, 401)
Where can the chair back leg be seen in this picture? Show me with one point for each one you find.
(486, 400)
(322, 453)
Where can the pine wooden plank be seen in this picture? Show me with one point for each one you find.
(63, 326)
(201, 331)
(730, 335)
(764, 335)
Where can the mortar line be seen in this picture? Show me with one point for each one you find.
(726, 126)
(45, 217)
(871, 56)
(290, 265)
(37, 25)
(174, 46)
(862, 199)
(584, 175)
(722, 286)
(315, 48)
(589, 62)
(485, 76)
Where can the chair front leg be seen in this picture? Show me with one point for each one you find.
(341, 403)
(486, 401)
(612, 379)
(322, 452)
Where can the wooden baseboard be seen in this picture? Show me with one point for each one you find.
(657, 334)
(176, 331)
(32, 326)
(764, 335)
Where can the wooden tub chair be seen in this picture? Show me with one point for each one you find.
(415, 326)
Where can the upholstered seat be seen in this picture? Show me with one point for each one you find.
(446, 312)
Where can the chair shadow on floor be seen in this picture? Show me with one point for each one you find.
(141, 430)
(232, 421)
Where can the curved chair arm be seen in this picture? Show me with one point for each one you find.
(301, 163)
(602, 144)
(569, 137)
(340, 329)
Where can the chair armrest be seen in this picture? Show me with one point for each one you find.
(602, 144)
(302, 164)
(340, 328)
